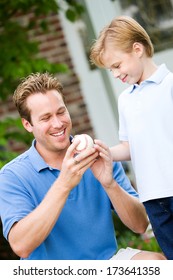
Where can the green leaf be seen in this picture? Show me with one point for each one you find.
(71, 15)
(19, 57)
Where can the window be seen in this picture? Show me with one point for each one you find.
(156, 16)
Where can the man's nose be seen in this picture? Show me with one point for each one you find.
(56, 122)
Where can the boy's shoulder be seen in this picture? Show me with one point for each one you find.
(126, 92)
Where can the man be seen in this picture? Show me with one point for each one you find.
(55, 205)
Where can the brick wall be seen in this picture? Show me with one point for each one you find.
(53, 46)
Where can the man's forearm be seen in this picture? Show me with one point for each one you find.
(129, 209)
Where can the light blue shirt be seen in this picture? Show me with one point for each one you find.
(145, 121)
(84, 230)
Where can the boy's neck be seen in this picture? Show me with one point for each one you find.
(149, 68)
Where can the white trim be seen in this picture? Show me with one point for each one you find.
(92, 85)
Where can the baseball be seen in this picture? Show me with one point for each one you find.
(86, 142)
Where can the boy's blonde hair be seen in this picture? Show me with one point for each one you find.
(121, 33)
(34, 83)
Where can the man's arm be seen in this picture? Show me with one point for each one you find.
(27, 234)
(130, 210)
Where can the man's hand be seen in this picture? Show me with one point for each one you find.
(74, 166)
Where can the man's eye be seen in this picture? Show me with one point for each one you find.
(61, 112)
(45, 119)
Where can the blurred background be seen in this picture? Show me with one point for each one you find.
(56, 36)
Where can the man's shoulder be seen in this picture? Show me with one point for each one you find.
(16, 163)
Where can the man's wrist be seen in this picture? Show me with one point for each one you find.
(111, 185)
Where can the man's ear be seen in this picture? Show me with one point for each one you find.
(27, 125)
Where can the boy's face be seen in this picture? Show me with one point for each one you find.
(51, 122)
(128, 67)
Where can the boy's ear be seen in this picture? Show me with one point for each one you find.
(27, 125)
(138, 48)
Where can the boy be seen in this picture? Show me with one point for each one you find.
(145, 113)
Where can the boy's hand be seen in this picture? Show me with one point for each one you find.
(102, 167)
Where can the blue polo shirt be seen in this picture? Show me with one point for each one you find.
(84, 230)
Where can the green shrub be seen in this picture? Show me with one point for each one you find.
(127, 238)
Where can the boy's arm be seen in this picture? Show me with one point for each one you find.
(121, 152)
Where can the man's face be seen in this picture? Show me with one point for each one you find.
(51, 122)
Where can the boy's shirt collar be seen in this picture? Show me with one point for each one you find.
(157, 77)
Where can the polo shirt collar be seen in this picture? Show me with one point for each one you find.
(36, 159)
(157, 77)
(159, 74)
